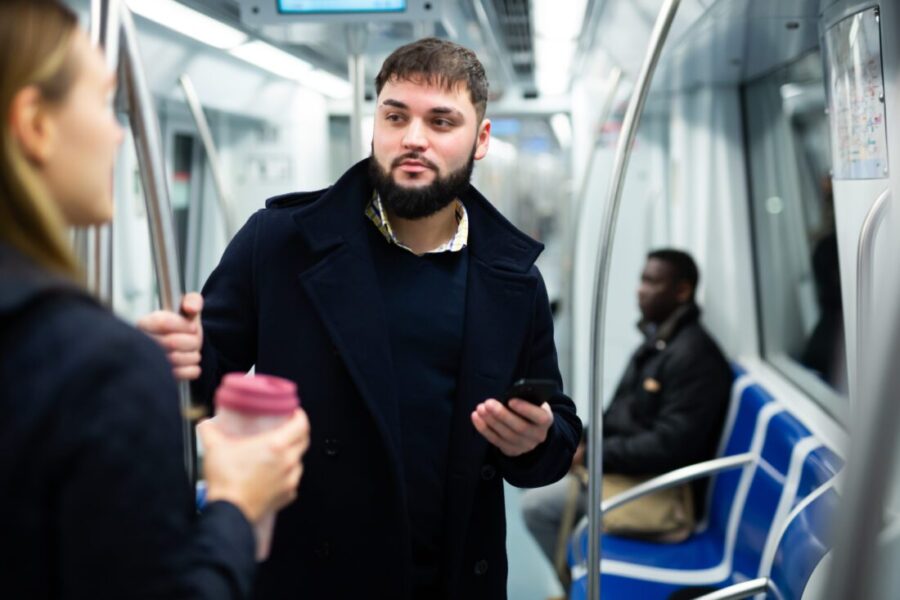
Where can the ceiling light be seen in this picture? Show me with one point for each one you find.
(189, 22)
(326, 83)
(557, 20)
(270, 58)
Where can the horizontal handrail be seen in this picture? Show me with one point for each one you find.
(666, 480)
(745, 589)
(677, 477)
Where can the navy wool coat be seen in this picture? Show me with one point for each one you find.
(93, 494)
(296, 295)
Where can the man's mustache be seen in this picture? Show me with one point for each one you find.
(416, 157)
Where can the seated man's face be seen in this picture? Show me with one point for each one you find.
(659, 294)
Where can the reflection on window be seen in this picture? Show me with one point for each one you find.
(795, 242)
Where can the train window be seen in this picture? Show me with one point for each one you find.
(795, 245)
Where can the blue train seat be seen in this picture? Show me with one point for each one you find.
(746, 509)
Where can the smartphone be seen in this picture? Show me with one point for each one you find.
(535, 391)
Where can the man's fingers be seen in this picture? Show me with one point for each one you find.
(179, 342)
(163, 322)
(490, 435)
(184, 359)
(540, 415)
(186, 373)
(191, 304)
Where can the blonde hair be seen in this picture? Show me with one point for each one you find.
(35, 40)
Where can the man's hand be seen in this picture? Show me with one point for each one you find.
(180, 335)
(516, 429)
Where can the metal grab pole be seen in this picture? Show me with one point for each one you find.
(611, 210)
(357, 36)
(147, 139)
(869, 467)
(97, 251)
(212, 155)
(865, 261)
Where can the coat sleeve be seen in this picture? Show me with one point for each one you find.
(693, 401)
(229, 314)
(551, 460)
(126, 520)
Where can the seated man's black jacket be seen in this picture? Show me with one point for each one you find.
(670, 405)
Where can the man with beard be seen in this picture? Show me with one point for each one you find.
(403, 305)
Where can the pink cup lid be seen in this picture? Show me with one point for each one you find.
(257, 394)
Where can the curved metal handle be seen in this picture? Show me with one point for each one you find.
(147, 141)
(865, 263)
(745, 589)
(667, 480)
(678, 477)
(212, 155)
(611, 210)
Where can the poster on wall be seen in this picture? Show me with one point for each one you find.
(856, 97)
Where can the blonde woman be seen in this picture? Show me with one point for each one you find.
(93, 498)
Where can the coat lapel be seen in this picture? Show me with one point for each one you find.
(343, 288)
(499, 305)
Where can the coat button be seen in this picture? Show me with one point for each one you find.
(332, 447)
(323, 550)
(481, 567)
(488, 472)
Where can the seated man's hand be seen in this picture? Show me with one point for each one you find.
(180, 335)
(516, 429)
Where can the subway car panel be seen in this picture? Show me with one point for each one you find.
(764, 145)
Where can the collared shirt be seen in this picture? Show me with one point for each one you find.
(376, 213)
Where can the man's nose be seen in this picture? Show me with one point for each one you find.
(415, 138)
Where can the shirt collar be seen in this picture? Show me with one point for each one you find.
(376, 213)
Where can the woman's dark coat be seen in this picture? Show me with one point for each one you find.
(296, 295)
(93, 494)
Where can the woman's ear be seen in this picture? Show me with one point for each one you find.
(31, 125)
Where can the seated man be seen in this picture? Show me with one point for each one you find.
(667, 413)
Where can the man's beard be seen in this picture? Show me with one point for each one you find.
(423, 201)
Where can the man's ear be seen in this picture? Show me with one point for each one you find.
(683, 291)
(31, 125)
(483, 140)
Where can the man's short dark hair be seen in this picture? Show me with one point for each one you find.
(683, 266)
(437, 62)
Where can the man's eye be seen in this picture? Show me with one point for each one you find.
(394, 118)
(443, 122)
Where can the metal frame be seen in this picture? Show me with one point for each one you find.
(265, 12)
(212, 154)
(94, 244)
(745, 589)
(865, 263)
(670, 479)
(114, 22)
(660, 32)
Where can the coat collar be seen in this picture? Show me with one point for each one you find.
(339, 212)
(661, 336)
(23, 282)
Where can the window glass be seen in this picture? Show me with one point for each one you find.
(795, 245)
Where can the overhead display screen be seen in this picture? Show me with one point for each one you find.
(313, 7)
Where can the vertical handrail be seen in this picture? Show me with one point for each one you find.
(611, 210)
(357, 36)
(148, 143)
(865, 262)
(212, 154)
(97, 250)
(871, 461)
